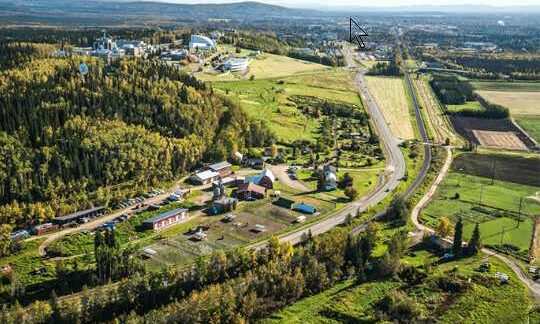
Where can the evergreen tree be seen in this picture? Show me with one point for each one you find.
(475, 243)
(458, 238)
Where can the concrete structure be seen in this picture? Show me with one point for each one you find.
(202, 43)
(166, 219)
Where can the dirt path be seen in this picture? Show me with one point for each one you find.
(532, 285)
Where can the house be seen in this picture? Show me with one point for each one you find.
(250, 190)
(223, 204)
(304, 208)
(77, 216)
(223, 168)
(205, 177)
(166, 219)
(330, 177)
(19, 235)
(265, 179)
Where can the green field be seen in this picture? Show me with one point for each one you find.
(267, 100)
(472, 105)
(531, 125)
(363, 181)
(484, 302)
(495, 206)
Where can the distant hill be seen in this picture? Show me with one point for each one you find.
(98, 12)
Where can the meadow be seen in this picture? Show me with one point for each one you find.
(363, 181)
(390, 95)
(353, 302)
(267, 100)
(520, 103)
(470, 105)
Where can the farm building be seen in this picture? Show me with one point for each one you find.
(166, 219)
(223, 168)
(92, 212)
(250, 190)
(255, 163)
(205, 177)
(304, 208)
(44, 228)
(265, 179)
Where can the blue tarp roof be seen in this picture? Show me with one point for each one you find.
(304, 208)
(168, 214)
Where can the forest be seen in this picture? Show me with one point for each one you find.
(69, 141)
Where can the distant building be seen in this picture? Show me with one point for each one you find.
(205, 177)
(44, 228)
(202, 43)
(166, 219)
(74, 217)
(235, 64)
(250, 190)
(223, 168)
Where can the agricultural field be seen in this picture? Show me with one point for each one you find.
(390, 94)
(499, 140)
(440, 125)
(268, 100)
(494, 205)
(264, 66)
(484, 301)
(466, 127)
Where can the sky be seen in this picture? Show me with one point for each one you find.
(376, 3)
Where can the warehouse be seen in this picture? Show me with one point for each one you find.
(166, 219)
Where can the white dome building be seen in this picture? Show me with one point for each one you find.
(199, 42)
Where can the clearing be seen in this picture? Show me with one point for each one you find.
(391, 97)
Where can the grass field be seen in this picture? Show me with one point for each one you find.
(389, 92)
(267, 100)
(507, 86)
(473, 105)
(495, 206)
(440, 125)
(265, 66)
(531, 124)
(484, 302)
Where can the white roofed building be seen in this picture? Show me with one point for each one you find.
(202, 43)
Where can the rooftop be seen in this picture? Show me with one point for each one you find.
(80, 213)
(165, 215)
(208, 174)
(220, 165)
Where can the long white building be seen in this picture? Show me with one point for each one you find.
(235, 64)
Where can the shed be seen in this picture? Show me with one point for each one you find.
(259, 228)
(304, 208)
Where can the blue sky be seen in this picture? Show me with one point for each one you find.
(377, 3)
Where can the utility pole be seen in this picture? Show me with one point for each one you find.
(481, 193)
(519, 211)
(502, 235)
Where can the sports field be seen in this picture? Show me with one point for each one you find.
(440, 125)
(390, 95)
